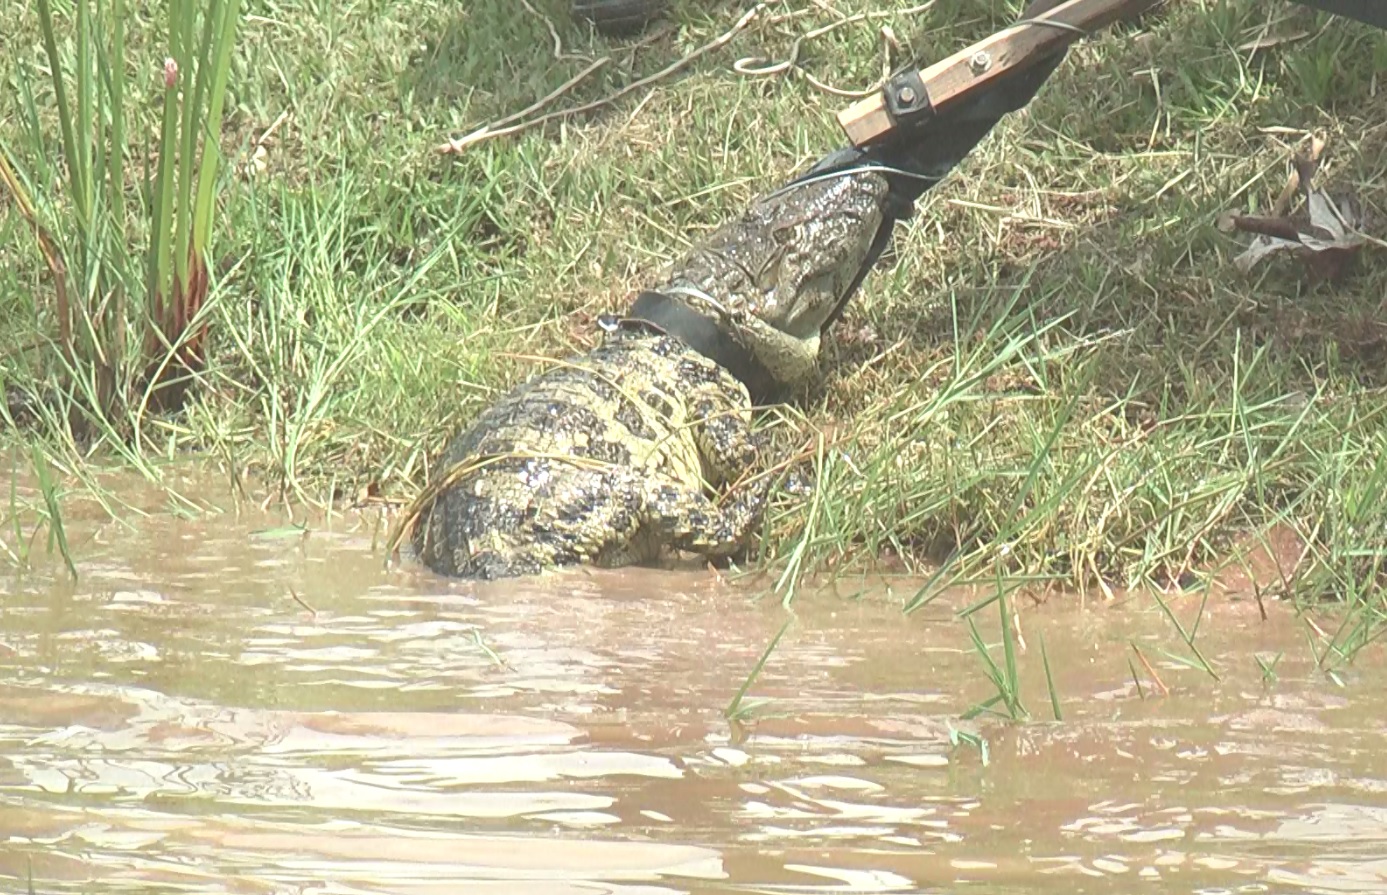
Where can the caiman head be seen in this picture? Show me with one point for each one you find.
(757, 294)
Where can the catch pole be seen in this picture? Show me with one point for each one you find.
(915, 95)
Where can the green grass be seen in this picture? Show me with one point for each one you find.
(1060, 379)
(126, 252)
(739, 710)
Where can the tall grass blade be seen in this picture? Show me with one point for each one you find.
(161, 249)
(1009, 655)
(1188, 636)
(1050, 681)
(48, 489)
(1136, 678)
(20, 553)
(99, 252)
(734, 709)
(211, 155)
(1004, 678)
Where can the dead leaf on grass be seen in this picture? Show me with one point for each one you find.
(1303, 169)
(1326, 238)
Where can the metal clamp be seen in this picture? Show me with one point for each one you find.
(907, 98)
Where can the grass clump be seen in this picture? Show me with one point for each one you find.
(122, 224)
(1059, 378)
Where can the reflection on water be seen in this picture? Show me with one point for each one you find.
(212, 711)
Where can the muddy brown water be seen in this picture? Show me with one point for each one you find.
(178, 722)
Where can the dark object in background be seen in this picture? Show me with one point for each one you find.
(1374, 12)
(619, 17)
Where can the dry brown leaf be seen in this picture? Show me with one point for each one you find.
(1326, 238)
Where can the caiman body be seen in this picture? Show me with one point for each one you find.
(602, 460)
(615, 456)
(645, 444)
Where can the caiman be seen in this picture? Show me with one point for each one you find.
(645, 443)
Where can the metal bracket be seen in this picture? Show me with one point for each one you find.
(915, 96)
(907, 98)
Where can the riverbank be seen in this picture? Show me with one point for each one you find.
(1060, 377)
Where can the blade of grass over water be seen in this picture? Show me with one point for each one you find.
(54, 516)
(1136, 679)
(1004, 678)
(20, 553)
(1050, 682)
(1188, 636)
(960, 737)
(735, 709)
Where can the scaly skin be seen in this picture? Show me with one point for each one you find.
(610, 458)
(602, 459)
(775, 276)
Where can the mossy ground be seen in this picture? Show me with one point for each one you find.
(1057, 375)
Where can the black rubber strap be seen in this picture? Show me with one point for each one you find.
(703, 335)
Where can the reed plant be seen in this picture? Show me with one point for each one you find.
(123, 223)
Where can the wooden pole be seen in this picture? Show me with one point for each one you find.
(951, 81)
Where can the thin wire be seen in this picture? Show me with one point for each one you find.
(1063, 26)
(846, 172)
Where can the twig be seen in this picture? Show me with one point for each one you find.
(757, 66)
(257, 155)
(1279, 228)
(890, 45)
(298, 599)
(553, 32)
(1160, 684)
(496, 129)
(269, 131)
